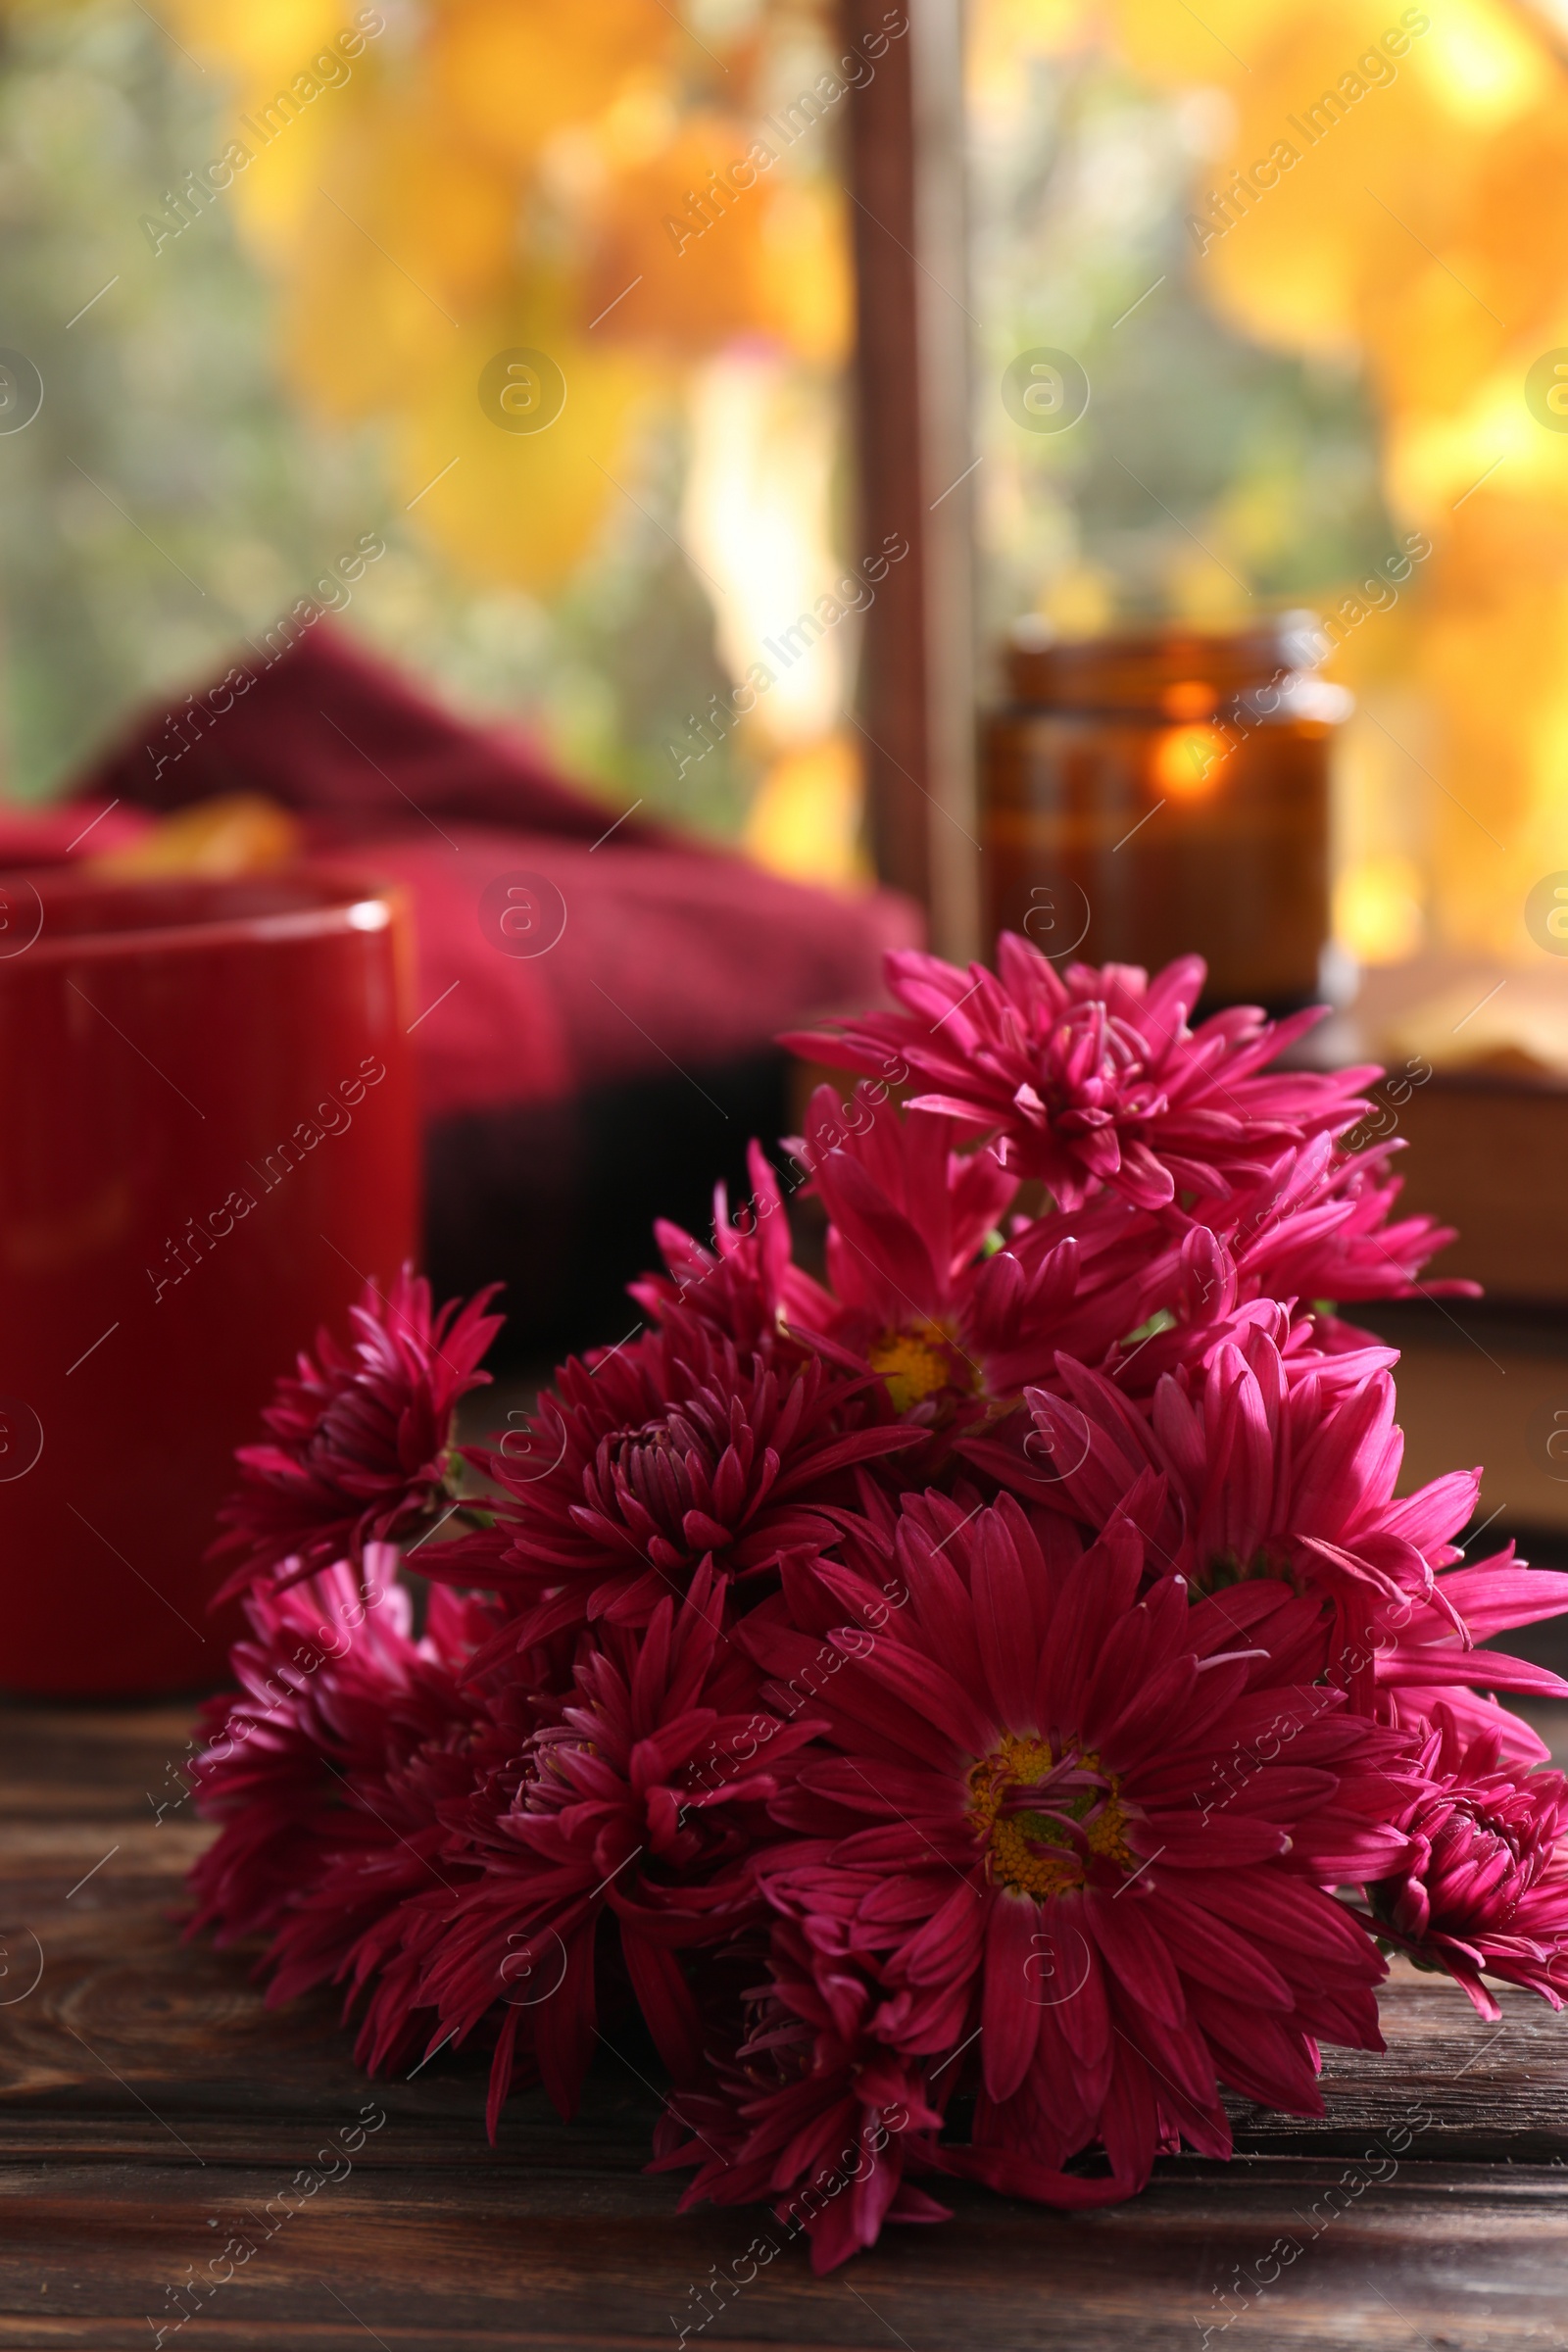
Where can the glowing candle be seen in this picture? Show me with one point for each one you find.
(1166, 791)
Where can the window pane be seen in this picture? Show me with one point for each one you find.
(513, 332)
(1310, 262)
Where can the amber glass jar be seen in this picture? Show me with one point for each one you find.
(1148, 794)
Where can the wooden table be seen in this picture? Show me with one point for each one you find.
(152, 2108)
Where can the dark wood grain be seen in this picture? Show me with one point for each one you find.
(153, 2106)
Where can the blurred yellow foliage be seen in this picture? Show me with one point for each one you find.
(415, 235)
(806, 818)
(810, 308)
(504, 74)
(1420, 228)
(489, 174)
(684, 278)
(511, 507)
(264, 46)
(1174, 47)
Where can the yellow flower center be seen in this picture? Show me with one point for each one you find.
(917, 1363)
(1043, 1818)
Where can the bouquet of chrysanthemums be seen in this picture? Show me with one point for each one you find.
(976, 1709)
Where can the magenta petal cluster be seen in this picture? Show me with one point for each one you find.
(1014, 1814)
(669, 1453)
(1484, 1890)
(973, 1710)
(358, 1442)
(1093, 1077)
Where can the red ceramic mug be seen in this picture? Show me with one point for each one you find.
(208, 1142)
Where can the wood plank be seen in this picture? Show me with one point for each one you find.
(1456, 2254)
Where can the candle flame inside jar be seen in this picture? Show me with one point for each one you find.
(1189, 762)
(1189, 697)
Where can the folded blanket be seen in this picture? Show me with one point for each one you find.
(597, 995)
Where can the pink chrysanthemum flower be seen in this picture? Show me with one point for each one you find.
(953, 1313)
(1486, 1886)
(931, 1834)
(1093, 1077)
(325, 1770)
(641, 1801)
(1034, 1779)
(1275, 1464)
(822, 2111)
(953, 1310)
(747, 1285)
(663, 1456)
(1428, 1657)
(362, 1442)
(913, 1243)
(1273, 1461)
(1317, 1225)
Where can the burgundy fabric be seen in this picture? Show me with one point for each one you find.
(675, 958)
(70, 828)
(327, 729)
